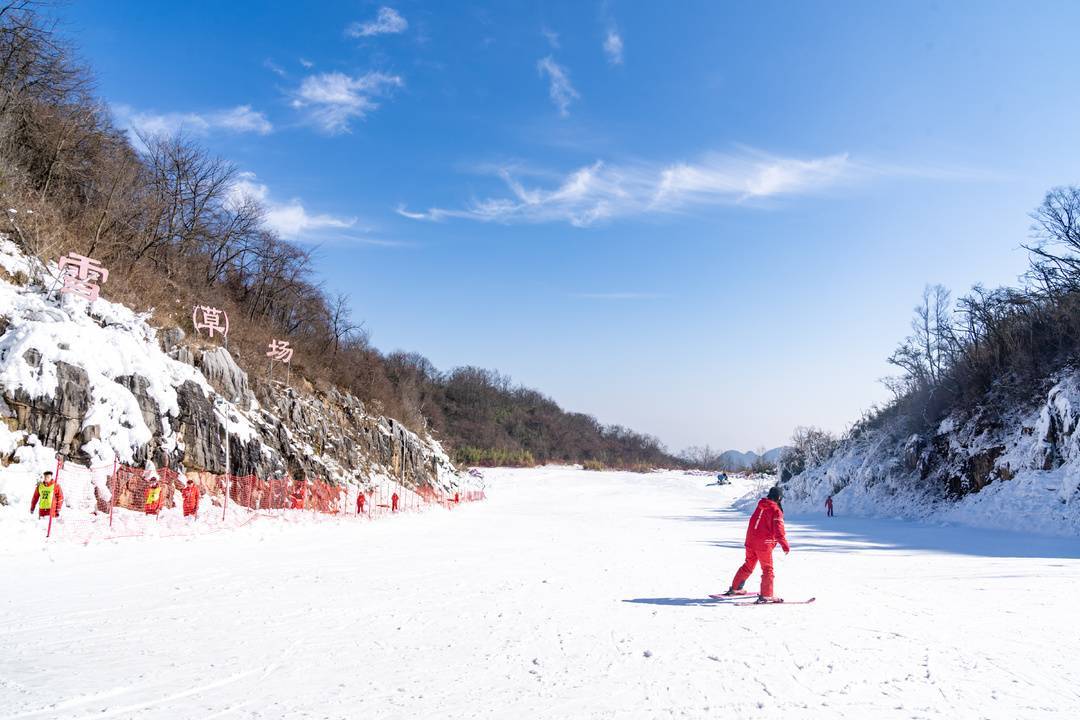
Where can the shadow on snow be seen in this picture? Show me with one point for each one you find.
(841, 534)
(678, 601)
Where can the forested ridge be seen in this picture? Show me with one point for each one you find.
(171, 222)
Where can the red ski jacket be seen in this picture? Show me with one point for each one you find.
(44, 492)
(766, 529)
(190, 494)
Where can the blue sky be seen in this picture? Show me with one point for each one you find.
(705, 221)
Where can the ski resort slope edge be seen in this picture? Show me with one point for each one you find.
(568, 594)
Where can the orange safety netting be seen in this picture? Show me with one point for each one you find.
(222, 501)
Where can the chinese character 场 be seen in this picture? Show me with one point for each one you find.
(279, 350)
(81, 275)
(210, 319)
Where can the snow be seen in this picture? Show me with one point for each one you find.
(567, 594)
(109, 342)
(869, 476)
(112, 343)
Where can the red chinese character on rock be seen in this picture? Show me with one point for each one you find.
(81, 275)
(210, 319)
(279, 350)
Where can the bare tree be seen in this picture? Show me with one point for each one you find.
(1055, 250)
(927, 352)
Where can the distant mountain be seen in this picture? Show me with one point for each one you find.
(735, 460)
(772, 456)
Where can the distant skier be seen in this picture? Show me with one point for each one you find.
(361, 501)
(828, 506)
(299, 493)
(394, 502)
(190, 493)
(152, 501)
(48, 497)
(765, 531)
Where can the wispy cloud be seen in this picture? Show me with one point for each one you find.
(274, 67)
(240, 119)
(604, 191)
(331, 100)
(387, 22)
(551, 36)
(307, 63)
(613, 46)
(618, 296)
(560, 89)
(289, 218)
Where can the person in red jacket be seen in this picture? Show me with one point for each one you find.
(190, 493)
(299, 493)
(765, 531)
(828, 506)
(394, 502)
(48, 497)
(361, 501)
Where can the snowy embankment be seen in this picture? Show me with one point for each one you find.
(93, 381)
(1018, 471)
(568, 594)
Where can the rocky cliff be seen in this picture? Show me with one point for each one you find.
(999, 465)
(97, 382)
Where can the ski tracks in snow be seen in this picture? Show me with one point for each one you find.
(567, 595)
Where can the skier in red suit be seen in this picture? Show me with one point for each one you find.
(766, 531)
(190, 493)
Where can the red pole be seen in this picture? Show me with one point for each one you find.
(55, 497)
(116, 482)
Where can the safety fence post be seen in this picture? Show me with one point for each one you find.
(228, 487)
(55, 494)
(115, 490)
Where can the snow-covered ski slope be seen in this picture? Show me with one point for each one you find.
(568, 594)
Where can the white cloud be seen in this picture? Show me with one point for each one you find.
(551, 36)
(387, 21)
(560, 89)
(289, 219)
(613, 46)
(332, 99)
(603, 191)
(307, 63)
(274, 67)
(241, 119)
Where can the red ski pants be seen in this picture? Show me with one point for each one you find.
(754, 556)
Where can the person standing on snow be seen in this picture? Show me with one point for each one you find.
(190, 493)
(765, 531)
(299, 493)
(828, 506)
(48, 497)
(361, 501)
(152, 503)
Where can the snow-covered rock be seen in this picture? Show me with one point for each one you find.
(95, 382)
(1016, 469)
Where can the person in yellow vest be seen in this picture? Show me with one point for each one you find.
(153, 497)
(48, 497)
